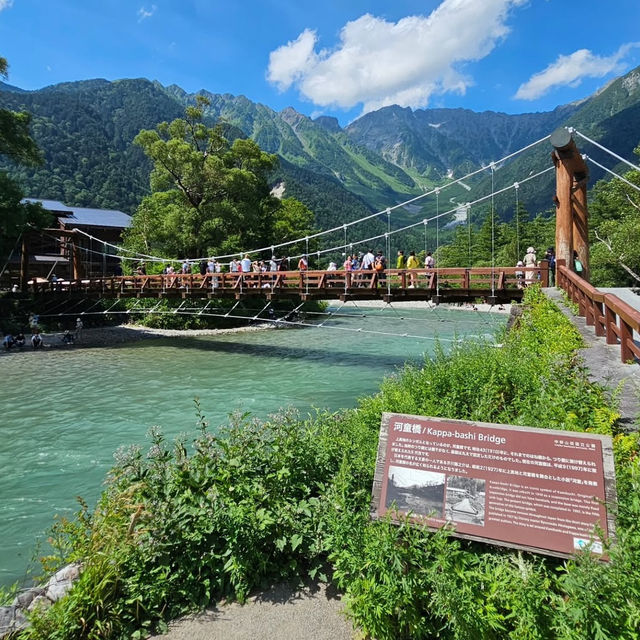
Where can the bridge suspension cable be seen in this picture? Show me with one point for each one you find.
(612, 153)
(138, 255)
(387, 234)
(435, 217)
(613, 173)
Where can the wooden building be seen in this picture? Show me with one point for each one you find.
(64, 250)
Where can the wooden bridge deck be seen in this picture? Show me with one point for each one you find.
(500, 284)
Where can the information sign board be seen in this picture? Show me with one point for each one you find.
(537, 489)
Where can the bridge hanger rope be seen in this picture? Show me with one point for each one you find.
(493, 240)
(139, 255)
(612, 153)
(445, 213)
(337, 248)
(469, 260)
(516, 188)
(613, 173)
(437, 241)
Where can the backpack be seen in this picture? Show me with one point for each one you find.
(379, 264)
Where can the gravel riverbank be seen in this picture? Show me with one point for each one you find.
(108, 336)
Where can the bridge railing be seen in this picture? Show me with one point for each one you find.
(609, 315)
(305, 283)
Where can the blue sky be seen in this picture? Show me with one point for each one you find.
(333, 57)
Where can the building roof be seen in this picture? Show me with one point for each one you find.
(97, 218)
(83, 217)
(50, 205)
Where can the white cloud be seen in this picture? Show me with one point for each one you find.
(571, 70)
(379, 63)
(288, 63)
(143, 12)
(5, 4)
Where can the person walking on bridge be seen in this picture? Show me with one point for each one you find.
(367, 260)
(530, 263)
(401, 262)
(413, 264)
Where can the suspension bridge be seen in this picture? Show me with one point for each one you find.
(494, 284)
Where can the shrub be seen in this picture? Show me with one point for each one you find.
(262, 501)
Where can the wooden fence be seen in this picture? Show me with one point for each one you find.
(609, 315)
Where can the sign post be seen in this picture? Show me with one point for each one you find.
(542, 490)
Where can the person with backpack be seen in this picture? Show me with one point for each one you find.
(380, 265)
(577, 264)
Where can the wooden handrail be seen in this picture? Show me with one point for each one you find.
(440, 284)
(611, 316)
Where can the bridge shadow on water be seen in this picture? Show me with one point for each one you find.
(384, 362)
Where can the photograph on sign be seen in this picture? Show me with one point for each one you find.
(414, 490)
(465, 500)
(537, 489)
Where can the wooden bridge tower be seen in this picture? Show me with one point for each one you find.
(572, 219)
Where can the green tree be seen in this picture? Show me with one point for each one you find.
(484, 241)
(614, 230)
(209, 196)
(18, 146)
(294, 220)
(460, 251)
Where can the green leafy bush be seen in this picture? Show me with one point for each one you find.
(185, 524)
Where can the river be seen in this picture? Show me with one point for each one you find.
(65, 412)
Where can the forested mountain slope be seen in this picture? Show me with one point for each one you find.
(85, 130)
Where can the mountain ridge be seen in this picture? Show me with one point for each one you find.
(385, 157)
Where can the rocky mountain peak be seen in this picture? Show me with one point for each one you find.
(328, 123)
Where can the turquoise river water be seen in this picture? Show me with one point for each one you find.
(64, 413)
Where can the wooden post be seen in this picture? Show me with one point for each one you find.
(76, 265)
(572, 231)
(564, 224)
(544, 273)
(24, 263)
